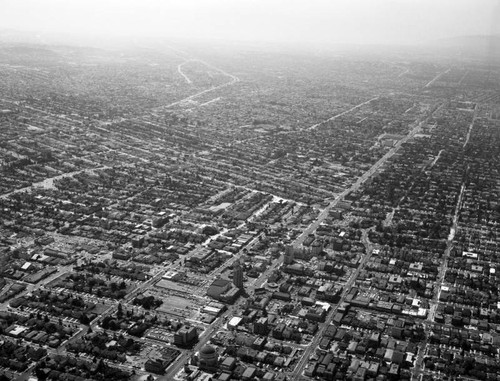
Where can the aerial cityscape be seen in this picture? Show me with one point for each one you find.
(178, 210)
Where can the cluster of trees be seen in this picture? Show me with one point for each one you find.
(98, 344)
(466, 367)
(65, 368)
(84, 282)
(16, 357)
(122, 318)
(109, 270)
(58, 305)
(138, 323)
(147, 302)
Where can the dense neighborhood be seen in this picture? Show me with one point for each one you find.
(196, 217)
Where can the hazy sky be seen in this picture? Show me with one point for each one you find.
(321, 21)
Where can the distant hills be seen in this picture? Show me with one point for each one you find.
(479, 47)
(13, 36)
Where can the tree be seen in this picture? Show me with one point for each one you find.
(119, 313)
(84, 319)
(113, 325)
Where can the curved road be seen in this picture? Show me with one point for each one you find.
(179, 70)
